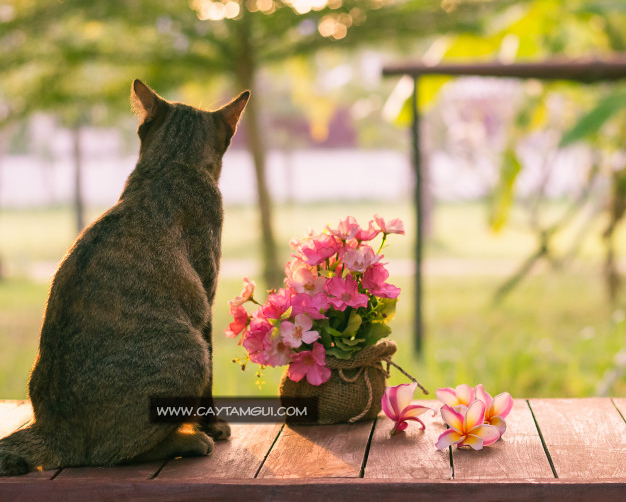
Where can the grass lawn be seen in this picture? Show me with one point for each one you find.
(555, 335)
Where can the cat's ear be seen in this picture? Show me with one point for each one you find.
(232, 111)
(144, 101)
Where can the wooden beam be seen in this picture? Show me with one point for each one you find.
(585, 70)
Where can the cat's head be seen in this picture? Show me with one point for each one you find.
(177, 132)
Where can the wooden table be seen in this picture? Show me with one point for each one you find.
(554, 449)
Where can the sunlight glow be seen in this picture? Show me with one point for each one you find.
(216, 10)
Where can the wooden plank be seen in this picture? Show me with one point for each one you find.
(13, 415)
(325, 490)
(518, 454)
(240, 457)
(409, 454)
(586, 438)
(119, 473)
(620, 404)
(328, 451)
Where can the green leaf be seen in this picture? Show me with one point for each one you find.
(503, 195)
(338, 353)
(386, 309)
(591, 123)
(374, 332)
(334, 332)
(354, 323)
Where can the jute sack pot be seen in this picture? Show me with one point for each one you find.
(354, 390)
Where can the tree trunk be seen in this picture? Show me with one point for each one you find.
(79, 206)
(245, 73)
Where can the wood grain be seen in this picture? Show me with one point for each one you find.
(620, 404)
(518, 454)
(119, 473)
(324, 490)
(586, 438)
(240, 457)
(327, 451)
(409, 454)
(13, 415)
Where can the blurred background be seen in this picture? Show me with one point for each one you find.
(525, 181)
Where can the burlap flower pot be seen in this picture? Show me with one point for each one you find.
(354, 390)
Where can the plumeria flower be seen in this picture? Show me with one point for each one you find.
(396, 404)
(346, 229)
(468, 428)
(296, 333)
(310, 364)
(374, 281)
(240, 322)
(360, 259)
(496, 408)
(394, 226)
(459, 398)
(344, 293)
(246, 294)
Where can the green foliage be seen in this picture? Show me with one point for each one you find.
(592, 122)
(503, 195)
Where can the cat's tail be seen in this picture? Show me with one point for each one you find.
(22, 451)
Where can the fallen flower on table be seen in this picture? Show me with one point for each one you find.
(496, 408)
(462, 396)
(396, 404)
(467, 428)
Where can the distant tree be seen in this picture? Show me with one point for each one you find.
(54, 53)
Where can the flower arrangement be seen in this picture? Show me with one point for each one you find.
(336, 301)
(474, 418)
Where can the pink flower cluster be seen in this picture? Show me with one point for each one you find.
(335, 289)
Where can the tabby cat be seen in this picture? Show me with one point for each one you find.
(128, 316)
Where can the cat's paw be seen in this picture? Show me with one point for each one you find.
(12, 465)
(195, 444)
(218, 429)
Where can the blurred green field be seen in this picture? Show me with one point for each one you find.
(555, 335)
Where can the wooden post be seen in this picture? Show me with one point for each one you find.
(419, 234)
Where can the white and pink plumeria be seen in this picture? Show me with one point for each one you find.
(396, 404)
(463, 406)
(468, 428)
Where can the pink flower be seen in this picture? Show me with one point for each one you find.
(358, 260)
(304, 281)
(257, 339)
(313, 306)
(394, 226)
(246, 294)
(296, 333)
(344, 293)
(396, 404)
(278, 353)
(239, 324)
(496, 409)
(346, 229)
(310, 363)
(462, 396)
(316, 250)
(367, 235)
(277, 304)
(374, 281)
(468, 428)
